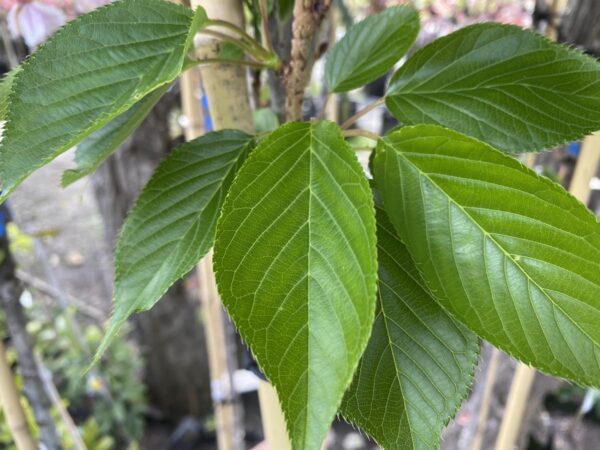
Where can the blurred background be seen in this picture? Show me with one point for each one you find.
(152, 390)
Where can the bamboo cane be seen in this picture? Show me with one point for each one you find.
(229, 108)
(229, 105)
(11, 404)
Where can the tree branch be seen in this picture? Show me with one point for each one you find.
(308, 16)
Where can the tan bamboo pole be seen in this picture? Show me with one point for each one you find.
(587, 165)
(228, 100)
(486, 400)
(11, 405)
(586, 169)
(228, 436)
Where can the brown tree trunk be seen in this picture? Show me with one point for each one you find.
(170, 334)
(581, 25)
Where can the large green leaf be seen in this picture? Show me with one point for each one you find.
(507, 252)
(89, 72)
(94, 149)
(419, 363)
(172, 225)
(508, 87)
(370, 48)
(295, 261)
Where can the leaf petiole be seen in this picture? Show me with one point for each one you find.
(189, 63)
(361, 133)
(363, 112)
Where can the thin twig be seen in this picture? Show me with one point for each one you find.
(235, 62)
(243, 35)
(44, 288)
(324, 107)
(13, 60)
(363, 112)
(227, 38)
(262, 4)
(361, 133)
(59, 406)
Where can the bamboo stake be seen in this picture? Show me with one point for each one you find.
(486, 400)
(228, 436)
(515, 407)
(587, 165)
(229, 108)
(11, 404)
(229, 105)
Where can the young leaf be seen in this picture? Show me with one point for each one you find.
(371, 48)
(419, 363)
(265, 120)
(94, 149)
(509, 87)
(507, 252)
(295, 262)
(88, 73)
(172, 225)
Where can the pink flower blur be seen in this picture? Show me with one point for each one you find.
(35, 21)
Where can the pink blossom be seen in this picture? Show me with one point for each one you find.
(35, 21)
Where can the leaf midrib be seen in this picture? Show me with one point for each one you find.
(501, 248)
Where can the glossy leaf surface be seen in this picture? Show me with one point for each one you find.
(419, 363)
(295, 261)
(89, 72)
(506, 86)
(172, 225)
(509, 253)
(370, 48)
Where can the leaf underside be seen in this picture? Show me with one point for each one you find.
(295, 262)
(419, 363)
(510, 254)
(371, 48)
(172, 225)
(506, 86)
(89, 72)
(98, 146)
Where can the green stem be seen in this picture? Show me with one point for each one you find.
(363, 112)
(262, 4)
(227, 38)
(246, 38)
(361, 133)
(189, 63)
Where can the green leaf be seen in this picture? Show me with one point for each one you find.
(370, 48)
(419, 363)
(265, 120)
(172, 225)
(91, 71)
(97, 147)
(295, 262)
(509, 87)
(6, 87)
(507, 252)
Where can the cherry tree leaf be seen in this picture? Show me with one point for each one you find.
(503, 85)
(510, 254)
(295, 262)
